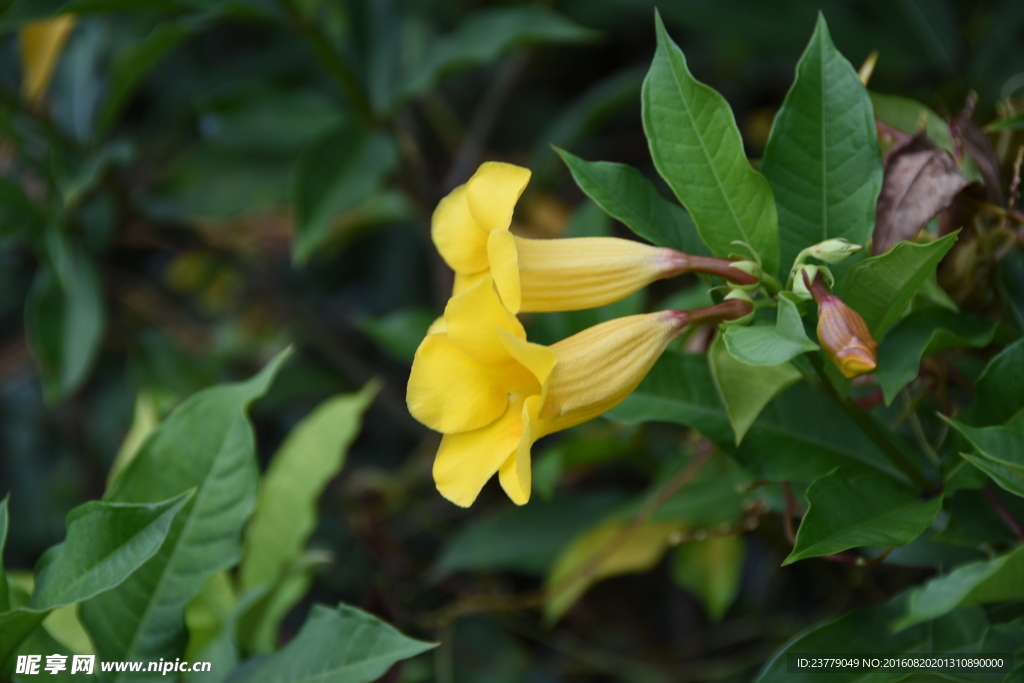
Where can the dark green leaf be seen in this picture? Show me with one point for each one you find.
(997, 395)
(343, 644)
(64, 318)
(400, 332)
(16, 210)
(206, 444)
(999, 453)
(335, 175)
(979, 583)
(822, 159)
(486, 36)
(697, 149)
(746, 389)
(286, 509)
(864, 509)
(626, 195)
(1015, 122)
(525, 539)
(921, 334)
(767, 344)
(868, 632)
(879, 288)
(131, 66)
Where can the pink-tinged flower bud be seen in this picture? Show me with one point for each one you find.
(843, 333)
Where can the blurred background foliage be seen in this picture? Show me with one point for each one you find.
(206, 181)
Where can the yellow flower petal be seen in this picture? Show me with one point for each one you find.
(466, 461)
(473, 319)
(464, 281)
(41, 45)
(450, 392)
(585, 272)
(538, 359)
(600, 366)
(437, 327)
(515, 474)
(460, 241)
(501, 254)
(493, 192)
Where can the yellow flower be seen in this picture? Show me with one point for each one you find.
(492, 393)
(41, 45)
(470, 229)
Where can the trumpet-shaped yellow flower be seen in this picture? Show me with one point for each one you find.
(470, 230)
(492, 393)
(41, 44)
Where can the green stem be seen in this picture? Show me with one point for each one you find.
(884, 439)
(332, 62)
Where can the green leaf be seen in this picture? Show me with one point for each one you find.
(822, 159)
(206, 444)
(525, 539)
(343, 644)
(911, 117)
(333, 176)
(400, 332)
(484, 37)
(106, 543)
(64, 318)
(627, 196)
(130, 66)
(711, 570)
(17, 212)
(799, 436)
(997, 395)
(867, 632)
(746, 389)
(697, 149)
(999, 453)
(880, 287)
(1015, 122)
(863, 509)
(286, 509)
(921, 334)
(767, 344)
(979, 583)
(5, 602)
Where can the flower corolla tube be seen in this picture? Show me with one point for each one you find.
(492, 393)
(470, 229)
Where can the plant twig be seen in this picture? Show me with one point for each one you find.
(1007, 516)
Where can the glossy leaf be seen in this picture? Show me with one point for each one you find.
(697, 149)
(106, 543)
(746, 389)
(343, 644)
(822, 159)
(979, 583)
(334, 175)
(627, 196)
(855, 510)
(879, 288)
(711, 570)
(286, 508)
(206, 444)
(767, 344)
(1015, 122)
